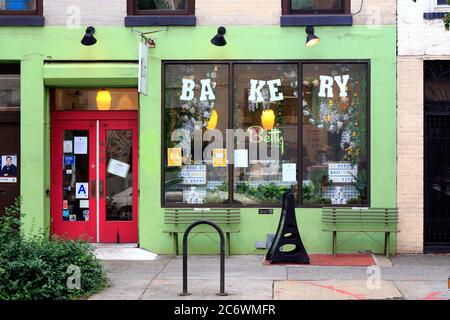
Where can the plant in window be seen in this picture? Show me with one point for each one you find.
(319, 178)
(361, 185)
(340, 115)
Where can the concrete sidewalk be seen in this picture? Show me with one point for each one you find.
(404, 277)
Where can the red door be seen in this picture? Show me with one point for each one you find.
(118, 187)
(94, 178)
(73, 179)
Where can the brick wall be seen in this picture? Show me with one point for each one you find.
(418, 39)
(209, 12)
(410, 154)
(93, 12)
(417, 36)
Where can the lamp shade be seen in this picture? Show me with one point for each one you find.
(89, 39)
(103, 100)
(268, 119)
(311, 38)
(219, 39)
(125, 103)
(212, 124)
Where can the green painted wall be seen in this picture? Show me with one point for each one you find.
(34, 46)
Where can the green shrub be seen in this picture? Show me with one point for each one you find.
(36, 269)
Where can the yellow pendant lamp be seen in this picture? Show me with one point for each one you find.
(268, 119)
(104, 100)
(212, 124)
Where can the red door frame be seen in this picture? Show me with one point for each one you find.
(79, 120)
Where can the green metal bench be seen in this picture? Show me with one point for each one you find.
(177, 221)
(361, 220)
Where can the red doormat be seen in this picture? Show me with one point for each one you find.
(341, 260)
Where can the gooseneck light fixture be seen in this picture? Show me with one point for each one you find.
(311, 38)
(89, 39)
(219, 39)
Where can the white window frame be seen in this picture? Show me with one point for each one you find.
(440, 7)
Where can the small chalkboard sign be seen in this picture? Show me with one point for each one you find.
(265, 211)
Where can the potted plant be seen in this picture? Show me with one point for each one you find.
(18, 4)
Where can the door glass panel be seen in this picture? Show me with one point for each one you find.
(119, 180)
(75, 175)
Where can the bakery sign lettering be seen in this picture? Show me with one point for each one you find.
(255, 94)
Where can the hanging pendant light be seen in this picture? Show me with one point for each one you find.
(212, 124)
(268, 119)
(103, 100)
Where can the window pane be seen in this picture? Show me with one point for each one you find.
(75, 175)
(119, 188)
(18, 5)
(9, 92)
(97, 99)
(317, 5)
(442, 2)
(270, 124)
(334, 164)
(196, 114)
(162, 5)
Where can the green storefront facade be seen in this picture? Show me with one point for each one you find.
(52, 57)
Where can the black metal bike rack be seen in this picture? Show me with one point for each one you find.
(222, 256)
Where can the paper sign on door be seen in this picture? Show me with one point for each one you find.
(80, 145)
(82, 190)
(68, 146)
(118, 168)
(84, 204)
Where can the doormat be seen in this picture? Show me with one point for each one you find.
(339, 260)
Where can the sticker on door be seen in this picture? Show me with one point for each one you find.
(82, 190)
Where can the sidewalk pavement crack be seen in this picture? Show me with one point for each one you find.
(398, 289)
(156, 276)
(273, 290)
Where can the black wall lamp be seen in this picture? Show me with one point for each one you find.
(219, 39)
(89, 39)
(311, 38)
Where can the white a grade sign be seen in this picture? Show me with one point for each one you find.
(82, 190)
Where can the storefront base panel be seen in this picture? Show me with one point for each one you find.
(255, 228)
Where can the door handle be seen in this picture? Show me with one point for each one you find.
(93, 188)
(101, 188)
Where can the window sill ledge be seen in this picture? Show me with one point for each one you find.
(316, 20)
(22, 21)
(139, 21)
(433, 15)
